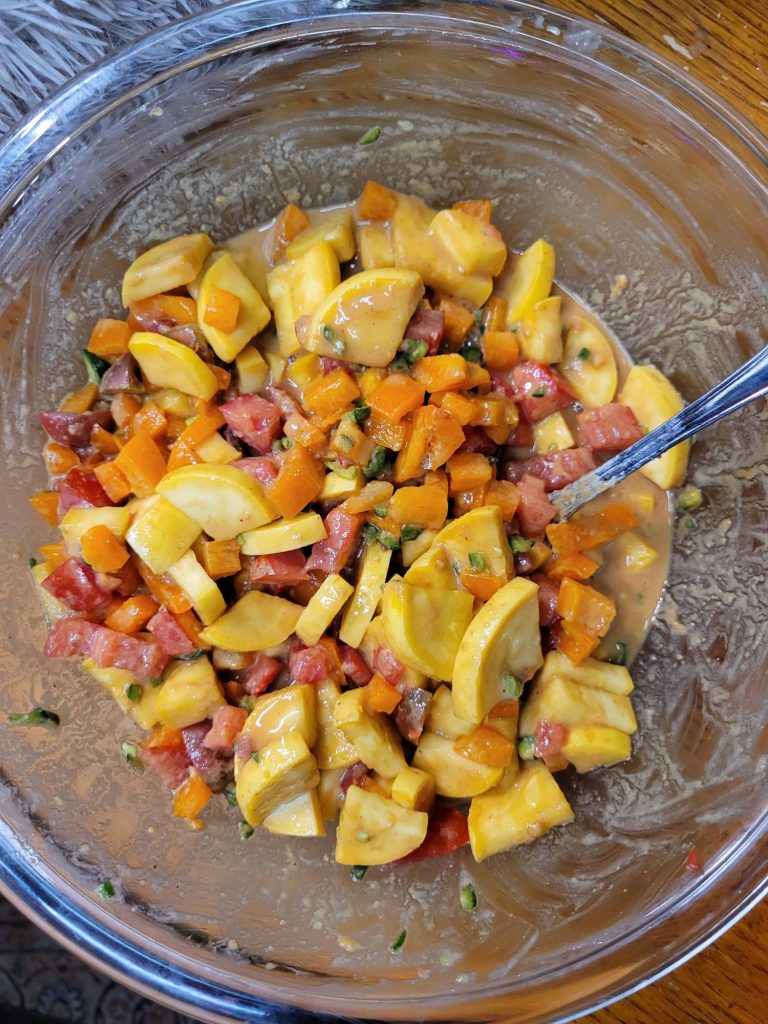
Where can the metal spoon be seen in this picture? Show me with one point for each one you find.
(743, 386)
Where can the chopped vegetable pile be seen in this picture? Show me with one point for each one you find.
(306, 539)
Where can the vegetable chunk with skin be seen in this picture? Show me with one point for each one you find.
(252, 316)
(166, 266)
(256, 622)
(223, 500)
(285, 770)
(375, 830)
(654, 400)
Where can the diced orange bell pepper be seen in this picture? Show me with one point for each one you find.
(396, 396)
(176, 426)
(375, 492)
(435, 436)
(590, 531)
(80, 400)
(585, 608)
(379, 695)
(142, 463)
(506, 495)
(299, 482)
(56, 554)
(376, 202)
(163, 737)
(165, 590)
(58, 458)
(482, 585)
(331, 395)
(223, 377)
(501, 350)
(384, 523)
(222, 310)
(465, 501)
(468, 470)
(123, 408)
(110, 338)
(576, 644)
(102, 550)
(370, 785)
(105, 442)
(183, 453)
(291, 221)
(208, 420)
(46, 504)
(192, 626)
(465, 409)
(151, 419)
(351, 443)
(495, 314)
(576, 567)
(505, 709)
(130, 581)
(113, 481)
(486, 745)
(389, 435)
(449, 372)
(458, 322)
(133, 614)
(144, 315)
(191, 798)
(425, 506)
(302, 432)
(219, 557)
(480, 208)
(478, 378)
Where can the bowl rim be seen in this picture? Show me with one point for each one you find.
(48, 129)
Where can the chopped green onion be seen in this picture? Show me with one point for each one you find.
(281, 443)
(192, 656)
(95, 366)
(246, 830)
(689, 523)
(133, 692)
(381, 511)
(32, 563)
(690, 499)
(336, 343)
(370, 136)
(240, 538)
(386, 540)
(539, 392)
(328, 333)
(248, 702)
(511, 687)
(370, 533)
(363, 837)
(477, 560)
(357, 872)
(519, 544)
(359, 414)
(131, 754)
(414, 350)
(473, 354)
(231, 794)
(157, 681)
(38, 716)
(256, 756)
(584, 353)
(398, 943)
(376, 462)
(526, 748)
(468, 898)
(620, 657)
(399, 365)
(479, 317)
(106, 890)
(410, 532)
(347, 472)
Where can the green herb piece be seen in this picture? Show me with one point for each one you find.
(410, 532)
(328, 333)
(336, 343)
(346, 472)
(106, 890)
(157, 681)
(231, 794)
(346, 442)
(370, 136)
(370, 533)
(192, 656)
(133, 692)
(95, 366)
(539, 392)
(358, 872)
(376, 462)
(473, 354)
(246, 830)
(620, 655)
(388, 541)
(282, 443)
(480, 317)
(690, 499)
(130, 753)
(584, 353)
(381, 511)
(414, 350)
(32, 563)
(363, 837)
(240, 538)
(248, 702)
(526, 748)
(477, 560)
(689, 523)
(395, 946)
(359, 414)
(511, 687)
(519, 544)
(38, 716)
(468, 898)
(399, 365)
(256, 756)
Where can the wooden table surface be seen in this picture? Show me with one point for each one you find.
(725, 44)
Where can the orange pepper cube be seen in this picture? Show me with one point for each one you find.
(480, 208)
(590, 531)
(435, 436)
(58, 458)
(585, 608)
(448, 372)
(482, 585)
(486, 745)
(222, 310)
(191, 798)
(396, 396)
(133, 614)
(379, 695)
(457, 324)
(425, 506)
(142, 463)
(300, 430)
(46, 504)
(331, 395)
(291, 221)
(389, 435)
(177, 310)
(351, 443)
(468, 470)
(500, 350)
(464, 409)
(504, 494)
(376, 202)
(110, 338)
(150, 418)
(299, 482)
(102, 550)
(576, 567)
(576, 644)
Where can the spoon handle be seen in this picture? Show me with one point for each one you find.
(743, 386)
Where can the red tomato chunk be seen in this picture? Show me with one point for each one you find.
(333, 553)
(253, 419)
(447, 831)
(76, 585)
(539, 390)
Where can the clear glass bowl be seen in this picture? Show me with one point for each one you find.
(628, 168)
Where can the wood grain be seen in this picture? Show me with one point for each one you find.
(728, 47)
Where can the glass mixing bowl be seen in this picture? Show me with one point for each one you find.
(628, 168)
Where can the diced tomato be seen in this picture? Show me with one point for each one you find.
(73, 428)
(502, 381)
(108, 648)
(81, 489)
(692, 861)
(556, 469)
(522, 436)
(354, 667)
(262, 467)
(285, 569)
(76, 586)
(170, 763)
(169, 634)
(535, 511)
(428, 326)
(446, 832)
(309, 664)
(410, 714)
(353, 775)
(548, 591)
(253, 419)
(333, 553)
(476, 440)
(226, 724)
(260, 674)
(243, 747)
(551, 737)
(213, 768)
(539, 390)
(287, 405)
(388, 665)
(609, 428)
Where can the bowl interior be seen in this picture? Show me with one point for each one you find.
(573, 146)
